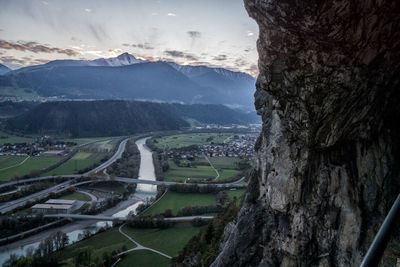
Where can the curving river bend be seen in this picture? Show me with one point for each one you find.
(143, 193)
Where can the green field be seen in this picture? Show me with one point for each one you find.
(183, 140)
(224, 162)
(176, 201)
(6, 138)
(76, 196)
(79, 161)
(143, 258)
(169, 241)
(235, 193)
(81, 141)
(227, 173)
(103, 242)
(35, 163)
(180, 174)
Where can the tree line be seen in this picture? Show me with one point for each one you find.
(44, 255)
(129, 163)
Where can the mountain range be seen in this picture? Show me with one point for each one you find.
(126, 77)
(4, 69)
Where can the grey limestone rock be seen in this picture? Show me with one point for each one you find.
(327, 165)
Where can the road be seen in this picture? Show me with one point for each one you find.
(138, 246)
(110, 218)
(123, 180)
(11, 205)
(117, 155)
(92, 197)
(212, 166)
(37, 229)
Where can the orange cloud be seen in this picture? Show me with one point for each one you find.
(36, 48)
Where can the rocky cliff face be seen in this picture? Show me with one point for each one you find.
(327, 167)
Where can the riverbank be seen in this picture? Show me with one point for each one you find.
(146, 172)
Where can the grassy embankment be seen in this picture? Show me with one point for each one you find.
(76, 196)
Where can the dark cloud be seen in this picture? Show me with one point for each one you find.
(180, 54)
(194, 34)
(35, 47)
(220, 57)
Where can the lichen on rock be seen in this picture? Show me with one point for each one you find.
(327, 159)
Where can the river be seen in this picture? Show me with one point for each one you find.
(73, 230)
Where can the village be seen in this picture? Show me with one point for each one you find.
(44, 144)
(239, 146)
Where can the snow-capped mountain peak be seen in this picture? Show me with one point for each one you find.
(121, 60)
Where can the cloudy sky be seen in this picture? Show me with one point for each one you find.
(196, 32)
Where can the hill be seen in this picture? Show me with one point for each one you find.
(116, 117)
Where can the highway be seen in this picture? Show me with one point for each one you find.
(110, 218)
(11, 205)
(124, 180)
(117, 155)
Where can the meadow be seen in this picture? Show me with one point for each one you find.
(103, 242)
(34, 163)
(184, 140)
(176, 201)
(6, 138)
(78, 162)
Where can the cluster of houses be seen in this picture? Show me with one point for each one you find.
(35, 148)
(240, 146)
(55, 206)
(254, 127)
